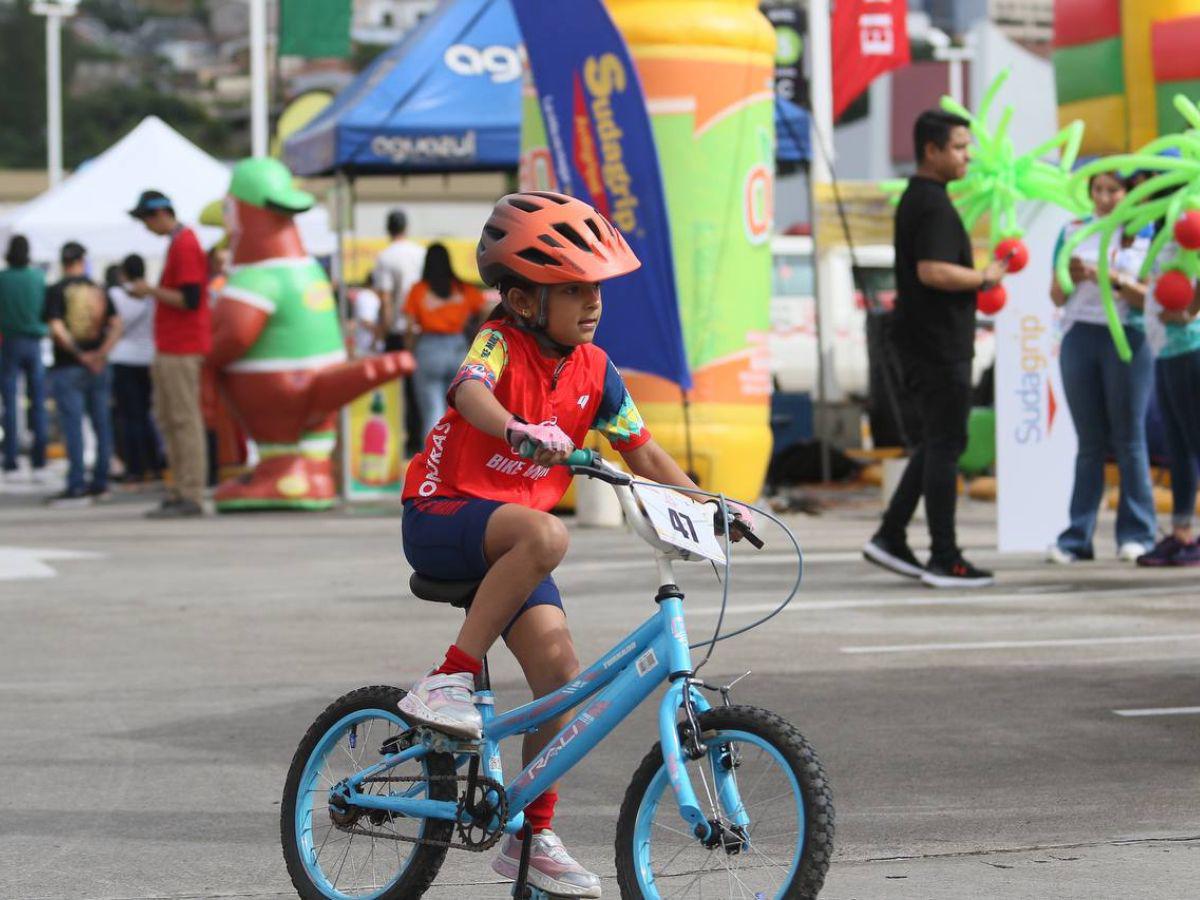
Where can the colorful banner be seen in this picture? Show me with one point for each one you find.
(869, 37)
(601, 149)
(707, 72)
(372, 441)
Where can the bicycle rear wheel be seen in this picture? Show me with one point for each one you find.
(778, 839)
(355, 854)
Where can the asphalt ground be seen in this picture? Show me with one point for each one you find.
(155, 679)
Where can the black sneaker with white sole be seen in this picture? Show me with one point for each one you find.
(956, 574)
(892, 554)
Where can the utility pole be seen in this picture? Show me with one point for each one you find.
(258, 79)
(54, 12)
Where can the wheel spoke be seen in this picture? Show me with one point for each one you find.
(761, 792)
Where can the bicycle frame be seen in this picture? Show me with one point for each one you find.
(606, 692)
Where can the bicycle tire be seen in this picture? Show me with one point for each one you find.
(424, 861)
(787, 748)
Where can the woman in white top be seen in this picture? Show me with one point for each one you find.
(138, 439)
(1108, 398)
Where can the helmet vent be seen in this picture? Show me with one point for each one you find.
(537, 257)
(549, 241)
(523, 205)
(591, 223)
(496, 234)
(572, 235)
(545, 195)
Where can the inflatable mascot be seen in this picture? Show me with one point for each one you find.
(278, 349)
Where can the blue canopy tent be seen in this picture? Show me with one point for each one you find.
(448, 99)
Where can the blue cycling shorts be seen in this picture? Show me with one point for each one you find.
(443, 538)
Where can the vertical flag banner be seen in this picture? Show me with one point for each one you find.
(601, 150)
(707, 72)
(870, 38)
(314, 28)
(791, 31)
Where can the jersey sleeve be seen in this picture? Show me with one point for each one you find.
(617, 418)
(485, 362)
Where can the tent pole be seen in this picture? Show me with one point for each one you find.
(339, 266)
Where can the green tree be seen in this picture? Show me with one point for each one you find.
(92, 121)
(22, 87)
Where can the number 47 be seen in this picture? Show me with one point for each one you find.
(682, 523)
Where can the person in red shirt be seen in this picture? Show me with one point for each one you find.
(475, 508)
(182, 337)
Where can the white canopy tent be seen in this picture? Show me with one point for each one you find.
(91, 206)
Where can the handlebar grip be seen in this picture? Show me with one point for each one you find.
(580, 457)
(755, 541)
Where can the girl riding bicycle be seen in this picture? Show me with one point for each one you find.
(475, 508)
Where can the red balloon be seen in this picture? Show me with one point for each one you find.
(1020, 253)
(992, 300)
(1174, 290)
(1187, 230)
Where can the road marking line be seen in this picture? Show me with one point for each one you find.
(20, 563)
(1018, 645)
(934, 598)
(1161, 711)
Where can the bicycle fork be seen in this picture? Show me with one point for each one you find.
(683, 697)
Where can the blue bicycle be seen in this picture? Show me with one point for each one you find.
(732, 801)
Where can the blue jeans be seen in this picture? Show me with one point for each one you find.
(1108, 400)
(139, 437)
(438, 358)
(1178, 383)
(23, 354)
(76, 391)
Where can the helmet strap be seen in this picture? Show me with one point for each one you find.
(537, 327)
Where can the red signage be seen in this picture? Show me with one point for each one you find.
(870, 37)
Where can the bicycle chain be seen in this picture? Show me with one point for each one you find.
(481, 780)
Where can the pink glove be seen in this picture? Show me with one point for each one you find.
(737, 511)
(547, 436)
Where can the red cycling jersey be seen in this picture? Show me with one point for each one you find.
(580, 391)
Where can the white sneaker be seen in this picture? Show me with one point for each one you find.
(445, 702)
(1131, 550)
(551, 867)
(1057, 555)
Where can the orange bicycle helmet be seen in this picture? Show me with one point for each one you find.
(546, 238)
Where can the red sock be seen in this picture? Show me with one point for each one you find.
(459, 661)
(539, 813)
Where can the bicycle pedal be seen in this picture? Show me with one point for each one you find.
(440, 742)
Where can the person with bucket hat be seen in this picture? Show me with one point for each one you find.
(182, 337)
(278, 348)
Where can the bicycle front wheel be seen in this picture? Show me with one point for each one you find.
(762, 786)
(334, 852)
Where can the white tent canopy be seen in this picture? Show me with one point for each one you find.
(91, 206)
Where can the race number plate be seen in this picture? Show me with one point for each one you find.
(681, 522)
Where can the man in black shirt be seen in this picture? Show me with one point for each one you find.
(85, 327)
(934, 332)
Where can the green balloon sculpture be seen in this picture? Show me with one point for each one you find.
(998, 178)
(1173, 194)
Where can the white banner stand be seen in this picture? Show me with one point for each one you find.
(1035, 439)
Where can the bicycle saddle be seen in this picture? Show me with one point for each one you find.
(458, 594)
